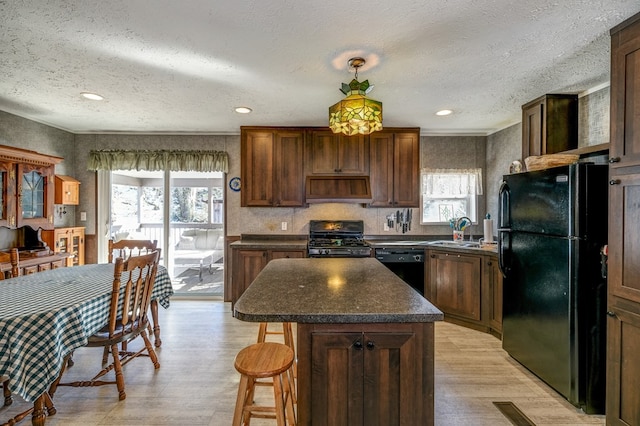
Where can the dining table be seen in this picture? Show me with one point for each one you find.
(45, 316)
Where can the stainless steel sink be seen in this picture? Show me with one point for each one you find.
(448, 243)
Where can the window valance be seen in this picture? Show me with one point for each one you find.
(197, 161)
(451, 182)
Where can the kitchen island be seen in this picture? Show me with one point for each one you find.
(365, 341)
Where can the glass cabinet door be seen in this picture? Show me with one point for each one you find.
(36, 191)
(33, 196)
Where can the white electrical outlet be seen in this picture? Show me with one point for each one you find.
(83, 216)
(386, 226)
(284, 226)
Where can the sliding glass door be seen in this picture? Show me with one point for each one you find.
(196, 233)
(183, 211)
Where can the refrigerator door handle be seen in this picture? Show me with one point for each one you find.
(504, 208)
(504, 250)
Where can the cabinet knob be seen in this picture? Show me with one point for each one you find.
(614, 182)
(489, 263)
(358, 345)
(611, 314)
(614, 160)
(433, 256)
(371, 345)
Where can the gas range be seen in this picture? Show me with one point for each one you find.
(337, 238)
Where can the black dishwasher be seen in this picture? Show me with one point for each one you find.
(406, 262)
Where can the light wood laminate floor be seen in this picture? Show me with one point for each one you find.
(197, 384)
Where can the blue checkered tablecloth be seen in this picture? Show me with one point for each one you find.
(45, 316)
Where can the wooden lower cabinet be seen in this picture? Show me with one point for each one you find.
(467, 287)
(28, 270)
(365, 374)
(248, 263)
(34, 264)
(67, 240)
(454, 283)
(623, 370)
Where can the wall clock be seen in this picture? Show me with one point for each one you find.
(234, 184)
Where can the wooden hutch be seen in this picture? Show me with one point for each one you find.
(27, 207)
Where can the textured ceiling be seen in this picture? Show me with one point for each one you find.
(182, 66)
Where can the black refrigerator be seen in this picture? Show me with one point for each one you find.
(552, 226)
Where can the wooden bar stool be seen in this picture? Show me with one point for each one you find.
(287, 335)
(261, 361)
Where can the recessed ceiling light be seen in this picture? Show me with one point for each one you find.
(444, 112)
(92, 96)
(243, 110)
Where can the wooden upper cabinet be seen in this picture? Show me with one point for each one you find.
(395, 168)
(289, 170)
(550, 125)
(257, 157)
(293, 167)
(624, 189)
(67, 190)
(272, 167)
(624, 237)
(625, 96)
(331, 153)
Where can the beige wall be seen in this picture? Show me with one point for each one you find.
(27, 134)
(435, 152)
(493, 153)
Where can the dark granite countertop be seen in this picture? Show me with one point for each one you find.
(333, 290)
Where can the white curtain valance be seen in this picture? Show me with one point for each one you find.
(197, 161)
(451, 182)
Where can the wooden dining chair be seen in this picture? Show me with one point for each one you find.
(133, 282)
(128, 248)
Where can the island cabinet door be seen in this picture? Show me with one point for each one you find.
(337, 379)
(390, 379)
(370, 377)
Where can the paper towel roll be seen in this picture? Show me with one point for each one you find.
(488, 230)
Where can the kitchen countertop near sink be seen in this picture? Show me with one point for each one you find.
(428, 244)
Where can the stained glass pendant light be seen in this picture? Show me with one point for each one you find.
(356, 114)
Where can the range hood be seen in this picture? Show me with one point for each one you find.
(338, 189)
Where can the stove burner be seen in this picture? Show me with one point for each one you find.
(337, 239)
(336, 242)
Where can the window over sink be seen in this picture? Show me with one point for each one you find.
(449, 193)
